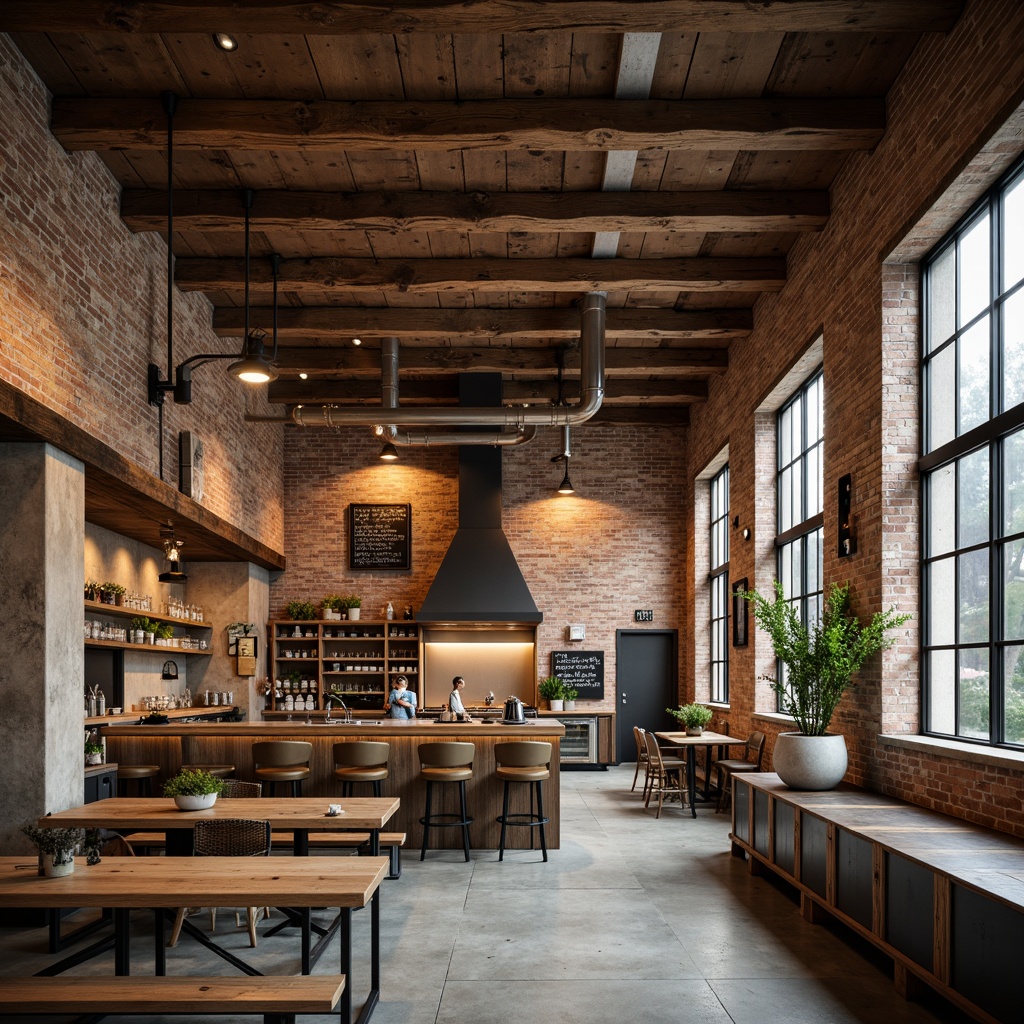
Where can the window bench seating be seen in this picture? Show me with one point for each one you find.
(276, 999)
(942, 897)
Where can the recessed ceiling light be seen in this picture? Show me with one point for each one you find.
(226, 42)
(357, 341)
(303, 376)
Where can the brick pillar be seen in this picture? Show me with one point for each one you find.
(42, 528)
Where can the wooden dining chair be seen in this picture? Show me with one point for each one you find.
(227, 837)
(726, 768)
(641, 758)
(666, 776)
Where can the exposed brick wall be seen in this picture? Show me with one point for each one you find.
(83, 311)
(589, 558)
(955, 93)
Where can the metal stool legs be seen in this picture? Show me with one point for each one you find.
(524, 819)
(430, 819)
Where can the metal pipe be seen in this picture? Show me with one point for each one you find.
(512, 420)
(410, 438)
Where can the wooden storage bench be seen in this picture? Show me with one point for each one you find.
(275, 999)
(942, 897)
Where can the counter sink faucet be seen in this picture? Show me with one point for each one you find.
(331, 698)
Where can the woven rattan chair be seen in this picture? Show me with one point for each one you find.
(726, 768)
(666, 776)
(641, 758)
(228, 837)
(361, 761)
(236, 789)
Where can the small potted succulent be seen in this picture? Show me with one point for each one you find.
(56, 846)
(552, 691)
(332, 606)
(693, 716)
(353, 604)
(193, 790)
(93, 753)
(569, 695)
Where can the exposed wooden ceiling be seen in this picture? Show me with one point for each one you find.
(458, 173)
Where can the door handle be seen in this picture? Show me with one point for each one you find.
(623, 697)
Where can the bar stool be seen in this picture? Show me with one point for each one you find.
(190, 760)
(362, 761)
(277, 761)
(526, 761)
(142, 774)
(446, 762)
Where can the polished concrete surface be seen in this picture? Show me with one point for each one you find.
(633, 919)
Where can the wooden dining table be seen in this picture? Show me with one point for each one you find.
(165, 883)
(299, 815)
(689, 744)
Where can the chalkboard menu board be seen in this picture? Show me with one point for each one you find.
(379, 536)
(582, 670)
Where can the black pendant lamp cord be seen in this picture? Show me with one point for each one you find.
(170, 101)
(275, 266)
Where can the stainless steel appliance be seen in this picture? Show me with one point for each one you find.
(579, 745)
(514, 714)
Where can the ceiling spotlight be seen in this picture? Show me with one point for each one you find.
(389, 453)
(228, 43)
(565, 487)
(357, 341)
(254, 367)
(303, 376)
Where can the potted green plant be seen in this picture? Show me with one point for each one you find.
(693, 716)
(353, 604)
(301, 610)
(569, 695)
(140, 626)
(162, 631)
(819, 663)
(193, 790)
(332, 606)
(93, 753)
(56, 847)
(92, 590)
(111, 593)
(552, 691)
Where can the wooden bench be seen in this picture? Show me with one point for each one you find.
(276, 999)
(145, 842)
(939, 895)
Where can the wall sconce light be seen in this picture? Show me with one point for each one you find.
(745, 533)
(847, 542)
(172, 552)
(225, 41)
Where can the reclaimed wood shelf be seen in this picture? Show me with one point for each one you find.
(124, 645)
(132, 613)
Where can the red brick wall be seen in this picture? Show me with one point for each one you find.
(83, 311)
(590, 558)
(954, 94)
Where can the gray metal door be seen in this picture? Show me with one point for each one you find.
(646, 663)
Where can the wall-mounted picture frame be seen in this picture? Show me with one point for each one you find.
(246, 647)
(739, 613)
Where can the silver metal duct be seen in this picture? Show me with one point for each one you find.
(511, 420)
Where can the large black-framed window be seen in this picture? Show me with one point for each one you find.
(718, 583)
(799, 441)
(972, 474)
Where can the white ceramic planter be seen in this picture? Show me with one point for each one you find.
(557, 705)
(353, 614)
(810, 762)
(694, 730)
(568, 705)
(195, 803)
(52, 870)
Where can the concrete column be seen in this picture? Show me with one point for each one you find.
(42, 523)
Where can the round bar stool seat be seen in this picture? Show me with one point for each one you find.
(277, 761)
(440, 763)
(142, 774)
(361, 761)
(528, 761)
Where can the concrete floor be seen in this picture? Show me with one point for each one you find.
(632, 919)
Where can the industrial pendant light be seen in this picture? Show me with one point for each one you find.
(254, 367)
(389, 453)
(175, 572)
(566, 487)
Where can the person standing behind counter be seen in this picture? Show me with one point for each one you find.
(455, 705)
(401, 701)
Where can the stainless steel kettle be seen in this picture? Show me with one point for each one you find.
(514, 714)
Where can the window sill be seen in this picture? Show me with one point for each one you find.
(942, 747)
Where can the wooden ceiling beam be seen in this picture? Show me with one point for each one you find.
(733, 211)
(406, 16)
(424, 362)
(593, 125)
(544, 324)
(444, 391)
(481, 276)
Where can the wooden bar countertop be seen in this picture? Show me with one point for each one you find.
(231, 743)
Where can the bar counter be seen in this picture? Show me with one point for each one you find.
(231, 742)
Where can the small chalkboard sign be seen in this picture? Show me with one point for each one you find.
(582, 670)
(379, 536)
